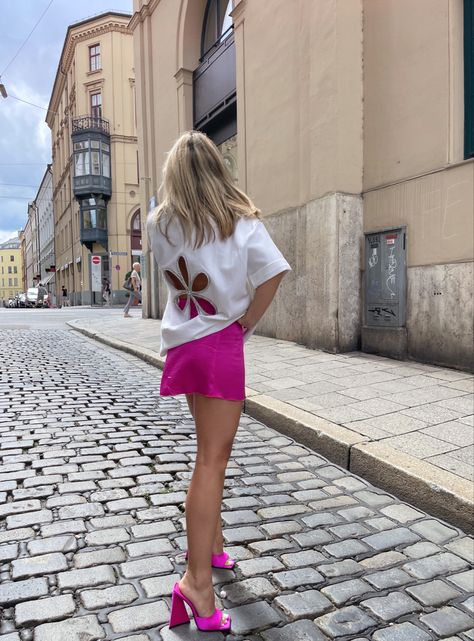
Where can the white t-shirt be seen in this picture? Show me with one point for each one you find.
(138, 281)
(217, 279)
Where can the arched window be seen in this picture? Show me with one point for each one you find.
(136, 234)
(217, 23)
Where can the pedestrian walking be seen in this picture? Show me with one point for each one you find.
(42, 291)
(209, 242)
(106, 291)
(64, 298)
(134, 289)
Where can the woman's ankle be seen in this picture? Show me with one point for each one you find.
(198, 582)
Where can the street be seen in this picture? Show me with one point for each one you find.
(54, 318)
(95, 466)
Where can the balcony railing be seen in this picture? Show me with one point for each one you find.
(90, 123)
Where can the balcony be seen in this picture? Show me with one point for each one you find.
(91, 144)
(90, 123)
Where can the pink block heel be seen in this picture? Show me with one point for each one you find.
(178, 614)
(204, 624)
(219, 561)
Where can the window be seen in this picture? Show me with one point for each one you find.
(95, 162)
(94, 213)
(105, 161)
(10, 284)
(12, 259)
(468, 78)
(94, 58)
(217, 22)
(95, 219)
(15, 282)
(95, 157)
(96, 105)
(15, 270)
(9, 269)
(81, 158)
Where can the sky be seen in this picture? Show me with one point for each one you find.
(25, 140)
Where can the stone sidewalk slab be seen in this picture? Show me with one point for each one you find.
(405, 426)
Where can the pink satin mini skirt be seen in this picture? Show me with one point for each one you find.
(212, 366)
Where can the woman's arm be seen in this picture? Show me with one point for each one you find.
(264, 294)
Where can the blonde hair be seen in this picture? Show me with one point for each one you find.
(198, 192)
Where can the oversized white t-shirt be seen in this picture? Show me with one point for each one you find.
(217, 279)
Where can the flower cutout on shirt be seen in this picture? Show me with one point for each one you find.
(189, 290)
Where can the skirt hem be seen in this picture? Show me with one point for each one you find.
(224, 398)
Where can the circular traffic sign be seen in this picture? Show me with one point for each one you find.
(96, 260)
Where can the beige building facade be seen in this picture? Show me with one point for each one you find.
(11, 269)
(95, 165)
(339, 118)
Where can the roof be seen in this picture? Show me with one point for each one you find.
(13, 243)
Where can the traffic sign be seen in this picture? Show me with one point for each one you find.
(96, 260)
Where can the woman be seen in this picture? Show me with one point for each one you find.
(222, 271)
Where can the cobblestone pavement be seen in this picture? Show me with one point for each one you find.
(92, 484)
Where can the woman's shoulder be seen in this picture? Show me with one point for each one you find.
(162, 228)
(154, 222)
(245, 227)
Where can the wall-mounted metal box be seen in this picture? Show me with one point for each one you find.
(385, 278)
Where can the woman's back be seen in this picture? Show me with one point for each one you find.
(210, 286)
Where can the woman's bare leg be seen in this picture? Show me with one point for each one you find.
(218, 546)
(217, 421)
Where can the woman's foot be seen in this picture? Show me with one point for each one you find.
(202, 597)
(222, 560)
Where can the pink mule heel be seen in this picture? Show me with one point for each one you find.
(219, 561)
(179, 614)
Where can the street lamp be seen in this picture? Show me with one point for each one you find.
(3, 91)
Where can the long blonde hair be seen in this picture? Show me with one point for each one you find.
(198, 192)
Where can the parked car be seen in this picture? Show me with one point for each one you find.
(32, 298)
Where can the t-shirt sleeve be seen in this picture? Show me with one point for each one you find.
(264, 259)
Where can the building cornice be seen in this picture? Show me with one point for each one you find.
(145, 11)
(238, 12)
(121, 138)
(76, 34)
(184, 77)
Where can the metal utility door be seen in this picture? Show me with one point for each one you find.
(385, 278)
